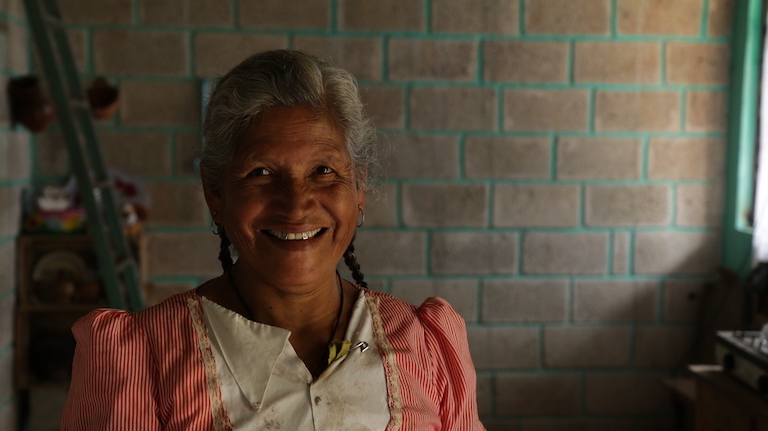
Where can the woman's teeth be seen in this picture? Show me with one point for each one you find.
(294, 236)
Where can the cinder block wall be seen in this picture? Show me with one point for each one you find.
(554, 168)
(15, 163)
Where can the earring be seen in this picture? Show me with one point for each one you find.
(361, 217)
(215, 227)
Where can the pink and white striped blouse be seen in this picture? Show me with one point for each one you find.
(154, 370)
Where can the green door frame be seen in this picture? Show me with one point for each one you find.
(743, 110)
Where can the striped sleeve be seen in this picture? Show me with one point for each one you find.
(113, 376)
(453, 371)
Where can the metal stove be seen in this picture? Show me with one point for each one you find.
(744, 355)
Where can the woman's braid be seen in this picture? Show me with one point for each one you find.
(224, 256)
(351, 261)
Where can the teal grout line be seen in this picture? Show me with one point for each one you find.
(704, 28)
(631, 254)
(521, 18)
(334, 11)
(427, 5)
(191, 43)
(135, 13)
(611, 250)
(614, 13)
(235, 13)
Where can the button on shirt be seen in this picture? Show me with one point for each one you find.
(265, 385)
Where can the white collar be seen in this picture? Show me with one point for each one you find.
(244, 338)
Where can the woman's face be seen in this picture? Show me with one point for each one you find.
(289, 199)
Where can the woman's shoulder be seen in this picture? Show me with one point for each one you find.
(434, 312)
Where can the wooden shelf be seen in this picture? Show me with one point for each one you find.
(44, 342)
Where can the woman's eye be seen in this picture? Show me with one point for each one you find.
(258, 172)
(323, 170)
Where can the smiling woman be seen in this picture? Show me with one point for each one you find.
(279, 340)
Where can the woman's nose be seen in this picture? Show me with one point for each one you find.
(293, 199)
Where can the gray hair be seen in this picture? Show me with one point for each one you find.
(283, 78)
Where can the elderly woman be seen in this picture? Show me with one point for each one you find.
(280, 340)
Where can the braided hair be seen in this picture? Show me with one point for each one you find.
(353, 265)
(224, 255)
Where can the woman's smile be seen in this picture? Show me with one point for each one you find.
(299, 236)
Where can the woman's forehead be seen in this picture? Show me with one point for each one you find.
(291, 129)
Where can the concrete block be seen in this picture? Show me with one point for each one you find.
(140, 52)
(391, 253)
(10, 216)
(7, 268)
(698, 63)
(664, 347)
(475, 16)
(461, 294)
(128, 152)
(586, 347)
(669, 17)
(421, 156)
(683, 299)
(393, 15)
(620, 253)
(216, 53)
(78, 41)
(699, 205)
(568, 17)
(9, 415)
(428, 205)
(568, 424)
(453, 108)
(615, 301)
(484, 395)
(686, 158)
(630, 62)
(7, 320)
(598, 158)
(17, 55)
(278, 14)
(524, 301)
(720, 17)
(18, 157)
(5, 112)
(637, 111)
(160, 103)
(502, 348)
(432, 59)
(381, 206)
(473, 253)
(7, 374)
(361, 56)
(187, 149)
(627, 205)
(97, 11)
(564, 253)
(177, 204)
(193, 13)
(536, 205)
(676, 252)
(507, 157)
(384, 104)
(525, 61)
(626, 393)
(159, 292)
(706, 111)
(545, 110)
(183, 254)
(52, 156)
(556, 394)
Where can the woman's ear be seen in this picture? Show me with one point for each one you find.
(211, 193)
